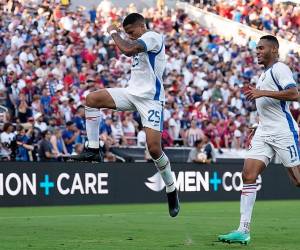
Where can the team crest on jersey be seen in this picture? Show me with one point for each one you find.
(135, 61)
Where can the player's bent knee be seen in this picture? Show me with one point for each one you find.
(90, 100)
(249, 177)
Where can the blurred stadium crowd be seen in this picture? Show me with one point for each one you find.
(51, 58)
(281, 18)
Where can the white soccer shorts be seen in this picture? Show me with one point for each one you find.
(151, 111)
(286, 147)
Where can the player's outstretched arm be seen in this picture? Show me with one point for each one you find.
(127, 47)
(284, 95)
(290, 94)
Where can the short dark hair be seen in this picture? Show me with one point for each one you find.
(133, 18)
(79, 107)
(197, 142)
(6, 126)
(69, 123)
(19, 128)
(271, 39)
(44, 133)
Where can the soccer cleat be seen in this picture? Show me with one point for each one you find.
(173, 202)
(235, 237)
(89, 155)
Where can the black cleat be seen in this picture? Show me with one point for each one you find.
(89, 155)
(173, 202)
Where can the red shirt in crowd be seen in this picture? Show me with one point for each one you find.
(68, 80)
(88, 56)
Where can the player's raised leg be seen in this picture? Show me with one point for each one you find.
(162, 163)
(252, 168)
(94, 101)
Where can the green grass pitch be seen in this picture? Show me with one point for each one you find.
(276, 225)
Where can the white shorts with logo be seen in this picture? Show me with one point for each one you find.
(151, 111)
(286, 147)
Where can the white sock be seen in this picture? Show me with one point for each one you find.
(92, 117)
(248, 197)
(163, 166)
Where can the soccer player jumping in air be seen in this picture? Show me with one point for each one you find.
(277, 132)
(144, 94)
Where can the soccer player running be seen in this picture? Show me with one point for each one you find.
(277, 132)
(145, 93)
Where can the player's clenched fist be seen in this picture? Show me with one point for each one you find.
(252, 93)
(112, 27)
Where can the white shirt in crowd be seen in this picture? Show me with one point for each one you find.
(16, 68)
(105, 7)
(41, 125)
(236, 102)
(167, 114)
(41, 73)
(174, 128)
(67, 23)
(7, 137)
(117, 131)
(17, 41)
(141, 138)
(129, 130)
(89, 42)
(9, 59)
(70, 62)
(66, 111)
(225, 94)
(23, 59)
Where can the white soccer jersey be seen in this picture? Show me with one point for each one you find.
(148, 67)
(274, 115)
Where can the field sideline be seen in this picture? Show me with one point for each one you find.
(276, 226)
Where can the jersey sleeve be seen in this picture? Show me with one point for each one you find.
(151, 41)
(283, 76)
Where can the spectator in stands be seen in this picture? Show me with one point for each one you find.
(106, 132)
(78, 119)
(45, 150)
(117, 131)
(174, 126)
(193, 134)
(36, 105)
(12, 93)
(24, 111)
(8, 135)
(58, 144)
(203, 151)
(129, 128)
(93, 14)
(52, 125)
(39, 122)
(141, 136)
(166, 139)
(45, 102)
(71, 136)
(24, 147)
(65, 109)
